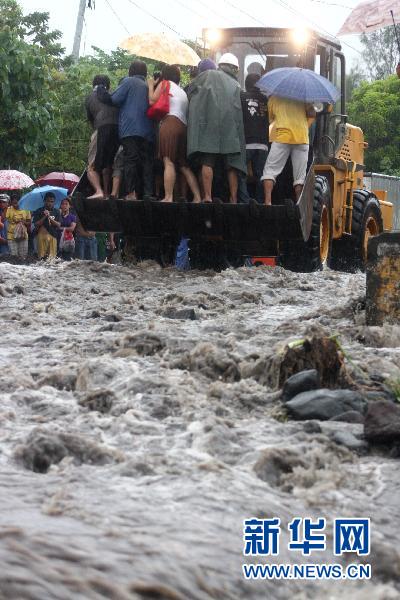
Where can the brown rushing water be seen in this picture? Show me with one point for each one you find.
(150, 493)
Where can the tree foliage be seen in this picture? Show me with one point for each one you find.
(375, 108)
(28, 54)
(26, 115)
(36, 31)
(380, 52)
(11, 16)
(354, 77)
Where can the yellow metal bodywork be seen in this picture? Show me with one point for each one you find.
(345, 177)
(352, 149)
(386, 209)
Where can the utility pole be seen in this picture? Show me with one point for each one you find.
(78, 29)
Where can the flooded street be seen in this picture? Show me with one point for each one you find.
(140, 423)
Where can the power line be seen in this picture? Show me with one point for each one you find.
(117, 17)
(245, 13)
(216, 12)
(332, 4)
(147, 12)
(299, 14)
(292, 10)
(185, 6)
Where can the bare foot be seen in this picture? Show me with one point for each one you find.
(96, 196)
(131, 196)
(165, 200)
(198, 201)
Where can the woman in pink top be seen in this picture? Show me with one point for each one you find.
(173, 131)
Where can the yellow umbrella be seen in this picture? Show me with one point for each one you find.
(161, 47)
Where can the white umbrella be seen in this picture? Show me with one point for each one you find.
(14, 180)
(371, 15)
(161, 47)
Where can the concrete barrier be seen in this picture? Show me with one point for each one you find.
(383, 279)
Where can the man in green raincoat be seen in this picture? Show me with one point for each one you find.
(215, 124)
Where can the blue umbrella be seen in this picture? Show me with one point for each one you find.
(298, 84)
(35, 199)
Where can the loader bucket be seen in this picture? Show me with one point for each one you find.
(246, 226)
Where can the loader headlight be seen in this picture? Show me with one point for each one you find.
(300, 36)
(213, 36)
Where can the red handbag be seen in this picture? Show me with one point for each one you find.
(160, 109)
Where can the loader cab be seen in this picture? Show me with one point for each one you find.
(259, 50)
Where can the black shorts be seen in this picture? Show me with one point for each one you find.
(107, 147)
(211, 160)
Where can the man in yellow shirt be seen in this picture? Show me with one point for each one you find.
(289, 137)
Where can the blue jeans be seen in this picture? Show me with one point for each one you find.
(85, 248)
(257, 160)
(4, 249)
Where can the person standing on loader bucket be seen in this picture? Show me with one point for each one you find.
(256, 126)
(289, 137)
(215, 124)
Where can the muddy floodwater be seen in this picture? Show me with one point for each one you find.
(138, 406)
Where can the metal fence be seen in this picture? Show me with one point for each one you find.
(377, 181)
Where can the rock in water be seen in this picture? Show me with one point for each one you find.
(324, 404)
(382, 422)
(100, 400)
(183, 314)
(351, 416)
(320, 353)
(300, 382)
(44, 448)
(348, 439)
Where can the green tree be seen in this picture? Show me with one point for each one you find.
(380, 52)
(26, 115)
(11, 16)
(36, 30)
(353, 80)
(33, 28)
(29, 51)
(375, 108)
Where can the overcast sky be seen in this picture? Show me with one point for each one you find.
(113, 20)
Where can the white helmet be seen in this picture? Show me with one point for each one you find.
(229, 59)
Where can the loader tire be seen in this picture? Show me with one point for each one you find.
(305, 257)
(350, 252)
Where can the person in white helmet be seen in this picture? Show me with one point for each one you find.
(215, 125)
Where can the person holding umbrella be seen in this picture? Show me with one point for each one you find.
(292, 92)
(289, 137)
(47, 223)
(173, 131)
